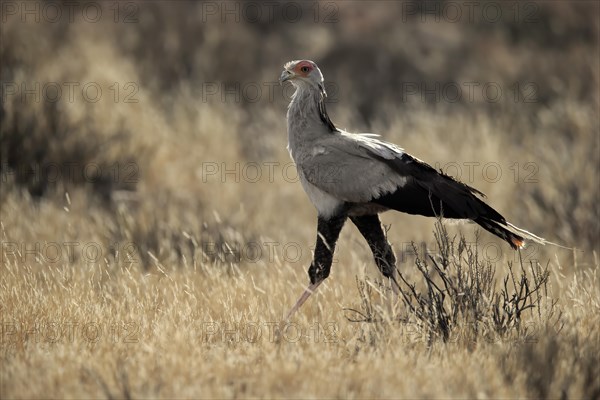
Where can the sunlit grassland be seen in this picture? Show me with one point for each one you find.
(169, 272)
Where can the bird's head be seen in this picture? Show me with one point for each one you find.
(302, 73)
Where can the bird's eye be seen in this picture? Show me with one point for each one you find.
(305, 69)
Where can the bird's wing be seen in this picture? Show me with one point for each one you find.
(360, 168)
(352, 167)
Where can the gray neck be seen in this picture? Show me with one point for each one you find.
(307, 117)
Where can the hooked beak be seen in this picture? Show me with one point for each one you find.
(285, 76)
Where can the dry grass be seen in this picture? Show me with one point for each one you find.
(133, 272)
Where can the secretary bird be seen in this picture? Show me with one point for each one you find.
(357, 176)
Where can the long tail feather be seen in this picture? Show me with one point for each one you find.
(515, 236)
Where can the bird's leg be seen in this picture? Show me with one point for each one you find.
(328, 231)
(371, 229)
(307, 292)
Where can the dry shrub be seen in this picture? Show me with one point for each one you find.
(458, 297)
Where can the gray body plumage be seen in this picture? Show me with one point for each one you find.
(337, 167)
